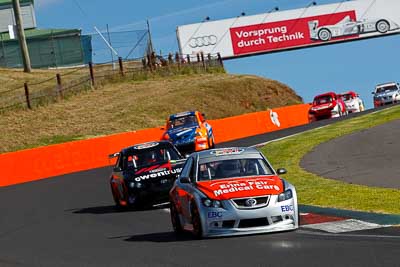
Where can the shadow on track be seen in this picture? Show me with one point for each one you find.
(114, 209)
(163, 237)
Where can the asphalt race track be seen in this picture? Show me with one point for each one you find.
(349, 158)
(71, 221)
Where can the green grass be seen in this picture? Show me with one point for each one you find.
(319, 191)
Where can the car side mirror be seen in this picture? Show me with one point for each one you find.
(373, 93)
(281, 171)
(184, 180)
(117, 169)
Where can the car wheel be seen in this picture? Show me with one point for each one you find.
(115, 197)
(382, 26)
(196, 222)
(175, 220)
(324, 35)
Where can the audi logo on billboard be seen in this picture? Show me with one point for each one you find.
(202, 41)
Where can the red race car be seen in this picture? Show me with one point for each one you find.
(326, 106)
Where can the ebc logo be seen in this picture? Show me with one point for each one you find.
(287, 208)
(214, 214)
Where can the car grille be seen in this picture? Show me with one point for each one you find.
(247, 223)
(243, 203)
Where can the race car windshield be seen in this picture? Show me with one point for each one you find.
(233, 168)
(347, 97)
(323, 100)
(386, 88)
(148, 157)
(187, 121)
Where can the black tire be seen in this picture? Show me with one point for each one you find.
(382, 26)
(116, 200)
(196, 222)
(324, 35)
(176, 222)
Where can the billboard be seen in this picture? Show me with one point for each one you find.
(291, 29)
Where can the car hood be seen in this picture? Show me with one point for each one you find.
(182, 133)
(241, 187)
(322, 106)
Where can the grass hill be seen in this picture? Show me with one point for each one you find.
(132, 105)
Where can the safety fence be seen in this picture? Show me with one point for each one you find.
(67, 82)
(44, 162)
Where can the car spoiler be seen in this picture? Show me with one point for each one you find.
(114, 155)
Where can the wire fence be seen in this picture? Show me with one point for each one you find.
(60, 48)
(68, 82)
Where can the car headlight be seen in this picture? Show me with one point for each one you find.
(288, 194)
(211, 203)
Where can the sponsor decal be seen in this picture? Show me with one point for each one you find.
(227, 151)
(214, 214)
(242, 186)
(288, 33)
(146, 145)
(158, 174)
(274, 118)
(287, 208)
(182, 114)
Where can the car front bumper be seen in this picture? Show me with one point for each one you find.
(277, 216)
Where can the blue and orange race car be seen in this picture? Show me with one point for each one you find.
(189, 131)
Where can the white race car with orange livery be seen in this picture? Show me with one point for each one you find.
(232, 191)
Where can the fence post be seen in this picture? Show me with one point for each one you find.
(170, 61)
(202, 60)
(149, 63)
(220, 60)
(188, 59)
(28, 101)
(91, 71)
(209, 63)
(121, 66)
(198, 57)
(178, 59)
(59, 86)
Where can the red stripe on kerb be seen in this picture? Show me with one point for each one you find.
(311, 218)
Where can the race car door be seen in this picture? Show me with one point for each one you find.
(185, 188)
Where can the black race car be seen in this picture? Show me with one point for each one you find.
(144, 174)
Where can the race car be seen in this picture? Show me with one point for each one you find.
(387, 93)
(144, 173)
(353, 102)
(232, 191)
(325, 106)
(189, 131)
(347, 26)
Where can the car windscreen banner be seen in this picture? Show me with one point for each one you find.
(291, 29)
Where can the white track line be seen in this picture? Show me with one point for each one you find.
(286, 137)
